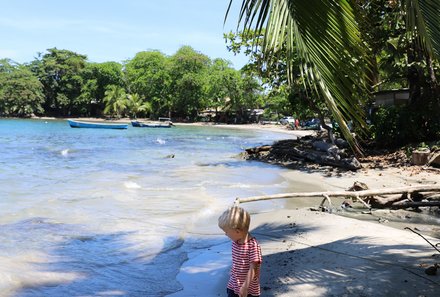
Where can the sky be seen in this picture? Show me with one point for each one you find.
(115, 30)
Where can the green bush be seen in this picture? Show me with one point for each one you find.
(397, 126)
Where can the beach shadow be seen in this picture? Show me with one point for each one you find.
(81, 263)
(348, 267)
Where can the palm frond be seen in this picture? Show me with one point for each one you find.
(423, 21)
(326, 38)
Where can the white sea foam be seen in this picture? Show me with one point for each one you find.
(132, 185)
(65, 152)
(160, 141)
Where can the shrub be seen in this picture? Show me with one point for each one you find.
(396, 126)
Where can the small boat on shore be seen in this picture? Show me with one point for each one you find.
(162, 123)
(150, 124)
(97, 125)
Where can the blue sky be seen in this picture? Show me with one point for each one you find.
(115, 30)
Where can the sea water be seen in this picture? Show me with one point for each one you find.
(101, 212)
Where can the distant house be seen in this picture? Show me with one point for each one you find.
(391, 97)
(255, 115)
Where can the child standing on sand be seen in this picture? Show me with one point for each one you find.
(244, 277)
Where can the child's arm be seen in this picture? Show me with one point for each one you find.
(253, 270)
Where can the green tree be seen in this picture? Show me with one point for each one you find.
(282, 97)
(402, 57)
(382, 27)
(21, 93)
(323, 35)
(136, 106)
(272, 72)
(223, 86)
(96, 77)
(326, 37)
(277, 102)
(148, 74)
(60, 73)
(115, 101)
(188, 78)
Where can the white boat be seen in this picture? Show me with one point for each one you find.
(162, 123)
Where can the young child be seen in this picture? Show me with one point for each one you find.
(244, 277)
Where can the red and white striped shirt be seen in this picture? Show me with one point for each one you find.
(243, 254)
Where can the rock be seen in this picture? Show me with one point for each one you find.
(258, 149)
(334, 152)
(341, 143)
(351, 163)
(431, 270)
(322, 146)
(358, 186)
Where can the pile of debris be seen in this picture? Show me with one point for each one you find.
(306, 149)
(316, 150)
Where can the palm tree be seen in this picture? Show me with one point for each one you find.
(115, 100)
(136, 105)
(326, 38)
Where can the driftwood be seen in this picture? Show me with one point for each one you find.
(397, 201)
(383, 202)
(409, 204)
(434, 159)
(368, 195)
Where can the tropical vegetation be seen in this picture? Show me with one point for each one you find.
(183, 86)
(334, 54)
(321, 59)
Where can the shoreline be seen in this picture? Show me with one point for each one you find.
(259, 127)
(309, 253)
(302, 249)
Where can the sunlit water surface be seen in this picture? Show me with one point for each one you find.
(97, 212)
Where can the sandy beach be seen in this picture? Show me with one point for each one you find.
(309, 253)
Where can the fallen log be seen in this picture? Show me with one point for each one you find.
(347, 194)
(383, 202)
(408, 204)
(433, 197)
(390, 201)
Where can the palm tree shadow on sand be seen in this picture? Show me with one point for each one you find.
(348, 267)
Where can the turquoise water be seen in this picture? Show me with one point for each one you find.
(96, 212)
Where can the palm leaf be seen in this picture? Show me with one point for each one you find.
(423, 21)
(325, 36)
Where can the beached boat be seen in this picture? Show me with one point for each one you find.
(162, 123)
(99, 125)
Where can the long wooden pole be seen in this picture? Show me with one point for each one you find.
(354, 194)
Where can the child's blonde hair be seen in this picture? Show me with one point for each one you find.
(235, 218)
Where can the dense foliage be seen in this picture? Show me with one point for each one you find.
(182, 86)
(21, 93)
(336, 53)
